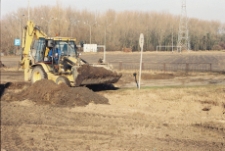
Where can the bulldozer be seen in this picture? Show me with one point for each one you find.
(57, 59)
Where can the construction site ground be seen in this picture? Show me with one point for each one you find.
(171, 111)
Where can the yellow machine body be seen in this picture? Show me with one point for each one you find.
(56, 59)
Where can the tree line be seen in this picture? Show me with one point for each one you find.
(116, 30)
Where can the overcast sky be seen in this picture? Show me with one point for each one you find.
(201, 9)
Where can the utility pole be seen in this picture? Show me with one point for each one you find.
(90, 33)
(172, 38)
(182, 42)
(106, 26)
(49, 22)
(20, 19)
(90, 25)
(28, 10)
(0, 28)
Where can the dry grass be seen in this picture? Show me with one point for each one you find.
(11, 69)
(156, 72)
(161, 79)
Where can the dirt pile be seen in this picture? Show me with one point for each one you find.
(17, 85)
(96, 75)
(47, 92)
(1, 64)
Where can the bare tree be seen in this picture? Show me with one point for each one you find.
(114, 29)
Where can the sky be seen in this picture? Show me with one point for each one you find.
(201, 9)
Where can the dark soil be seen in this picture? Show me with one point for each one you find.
(1, 64)
(17, 85)
(47, 92)
(100, 74)
(146, 76)
(12, 86)
(102, 87)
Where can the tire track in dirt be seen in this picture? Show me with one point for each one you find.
(89, 128)
(193, 145)
(47, 127)
(39, 127)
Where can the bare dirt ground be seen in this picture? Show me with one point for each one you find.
(155, 119)
(171, 111)
(46, 116)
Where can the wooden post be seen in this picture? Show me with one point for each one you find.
(210, 67)
(164, 67)
(120, 65)
(143, 66)
(187, 68)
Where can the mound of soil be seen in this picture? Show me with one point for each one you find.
(47, 92)
(1, 64)
(16, 85)
(100, 74)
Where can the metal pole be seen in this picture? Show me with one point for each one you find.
(105, 38)
(104, 59)
(48, 28)
(139, 85)
(71, 30)
(28, 10)
(90, 34)
(172, 38)
(105, 46)
(141, 42)
(20, 33)
(0, 28)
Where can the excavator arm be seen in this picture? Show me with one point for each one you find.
(30, 32)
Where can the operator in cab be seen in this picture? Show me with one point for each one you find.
(54, 54)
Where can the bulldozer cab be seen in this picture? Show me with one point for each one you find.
(67, 48)
(37, 50)
(43, 49)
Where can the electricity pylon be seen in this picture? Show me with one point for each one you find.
(183, 41)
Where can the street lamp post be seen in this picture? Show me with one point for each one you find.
(48, 24)
(73, 21)
(90, 33)
(90, 25)
(20, 29)
(106, 32)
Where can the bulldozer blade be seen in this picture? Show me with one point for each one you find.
(106, 80)
(90, 75)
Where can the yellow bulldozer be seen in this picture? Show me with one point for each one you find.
(57, 59)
